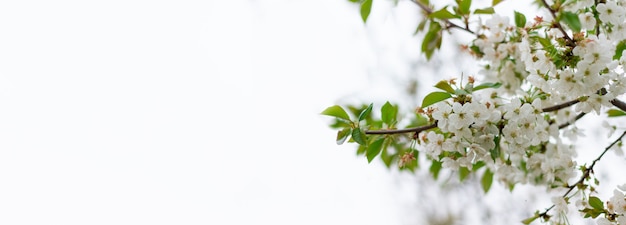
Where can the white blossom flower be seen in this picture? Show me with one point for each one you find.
(604, 221)
(461, 116)
(497, 23)
(587, 20)
(442, 115)
(560, 205)
(610, 12)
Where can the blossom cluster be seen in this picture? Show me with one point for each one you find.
(539, 65)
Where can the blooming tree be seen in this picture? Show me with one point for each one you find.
(514, 121)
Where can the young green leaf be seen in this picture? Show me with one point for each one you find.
(444, 85)
(365, 112)
(530, 220)
(443, 14)
(435, 167)
(420, 26)
(374, 149)
(388, 113)
(432, 40)
(336, 111)
(386, 156)
(464, 6)
(366, 7)
(596, 203)
(487, 85)
(520, 19)
(496, 152)
(463, 172)
(616, 113)
(486, 180)
(435, 97)
(478, 165)
(619, 49)
(495, 2)
(342, 135)
(488, 10)
(359, 136)
(572, 21)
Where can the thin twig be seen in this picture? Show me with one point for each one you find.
(586, 174)
(564, 125)
(448, 23)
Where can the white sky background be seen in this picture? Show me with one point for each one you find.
(182, 112)
(192, 112)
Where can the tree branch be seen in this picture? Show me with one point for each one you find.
(561, 106)
(619, 104)
(564, 125)
(586, 174)
(408, 130)
(616, 102)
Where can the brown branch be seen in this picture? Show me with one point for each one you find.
(560, 106)
(449, 24)
(619, 104)
(556, 23)
(564, 125)
(586, 174)
(616, 102)
(408, 130)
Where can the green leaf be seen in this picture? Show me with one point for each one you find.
(435, 97)
(616, 113)
(388, 113)
(435, 167)
(366, 7)
(359, 136)
(336, 111)
(530, 220)
(444, 85)
(520, 19)
(496, 152)
(478, 165)
(495, 2)
(572, 21)
(464, 6)
(487, 85)
(619, 49)
(432, 40)
(361, 150)
(355, 1)
(342, 135)
(488, 10)
(366, 112)
(486, 180)
(385, 155)
(420, 26)
(374, 149)
(443, 14)
(596, 203)
(463, 172)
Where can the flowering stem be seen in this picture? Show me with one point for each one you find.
(556, 23)
(586, 174)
